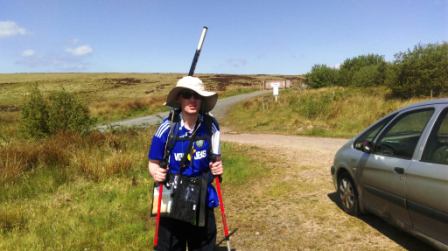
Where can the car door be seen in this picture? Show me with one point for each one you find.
(382, 175)
(427, 184)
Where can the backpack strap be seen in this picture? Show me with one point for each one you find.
(174, 119)
(192, 138)
(209, 120)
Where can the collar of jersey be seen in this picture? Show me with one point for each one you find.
(182, 123)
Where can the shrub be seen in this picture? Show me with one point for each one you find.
(369, 75)
(60, 112)
(364, 70)
(420, 72)
(321, 76)
(35, 115)
(66, 113)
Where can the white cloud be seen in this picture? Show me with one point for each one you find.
(10, 29)
(80, 50)
(28, 53)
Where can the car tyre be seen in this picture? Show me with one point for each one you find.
(347, 195)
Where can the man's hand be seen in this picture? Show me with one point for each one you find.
(216, 167)
(158, 173)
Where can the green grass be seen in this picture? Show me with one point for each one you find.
(55, 204)
(110, 96)
(80, 215)
(241, 163)
(330, 112)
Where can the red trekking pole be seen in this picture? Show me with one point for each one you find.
(159, 203)
(221, 205)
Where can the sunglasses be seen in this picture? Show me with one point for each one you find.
(189, 94)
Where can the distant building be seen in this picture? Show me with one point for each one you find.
(286, 82)
(283, 83)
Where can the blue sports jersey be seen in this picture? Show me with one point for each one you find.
(199, 160)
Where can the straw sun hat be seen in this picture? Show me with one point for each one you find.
(194, 84)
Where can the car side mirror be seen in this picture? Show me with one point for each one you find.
(367, 146)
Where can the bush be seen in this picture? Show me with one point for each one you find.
(370, 75)
(60, 112)
(322, 76)
(420, 72)
(364, 70)
(66, 113)
(35, 115)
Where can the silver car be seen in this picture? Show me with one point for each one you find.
(398, 169)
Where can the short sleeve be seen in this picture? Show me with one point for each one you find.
(159, 139)
(215, 138)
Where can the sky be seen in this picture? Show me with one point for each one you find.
(244, 36)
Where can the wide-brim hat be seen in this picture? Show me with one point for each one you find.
(209, 99)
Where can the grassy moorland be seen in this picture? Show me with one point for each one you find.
(109, 96)
(330, 112)
(69, 192)
(91, 192)
(114, 92)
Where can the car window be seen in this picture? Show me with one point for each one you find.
(373, 131)
(401, 137)
(436, 149)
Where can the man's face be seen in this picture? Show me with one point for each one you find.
(190, 102)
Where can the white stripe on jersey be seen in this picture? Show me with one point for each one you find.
(215, 143)
(214, 128)
(163, 127)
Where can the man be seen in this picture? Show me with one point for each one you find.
(200, 132)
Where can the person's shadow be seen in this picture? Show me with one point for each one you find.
(400, 237)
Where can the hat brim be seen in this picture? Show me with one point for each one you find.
(209, 99)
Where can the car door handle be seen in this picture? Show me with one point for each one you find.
(399, 170)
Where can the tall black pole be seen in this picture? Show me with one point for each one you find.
(198, 51)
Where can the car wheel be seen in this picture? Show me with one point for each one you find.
(348, 196)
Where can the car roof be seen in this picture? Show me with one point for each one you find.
(443, 101)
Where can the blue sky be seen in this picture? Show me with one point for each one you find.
(244, 37)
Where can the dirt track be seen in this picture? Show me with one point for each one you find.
(293, 207)
(313, 151)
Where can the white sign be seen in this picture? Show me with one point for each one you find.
(275, 87)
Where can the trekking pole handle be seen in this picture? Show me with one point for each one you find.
(215, 157)
(198, 51)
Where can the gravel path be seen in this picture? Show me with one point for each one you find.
(317, 146)
(219, 111)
